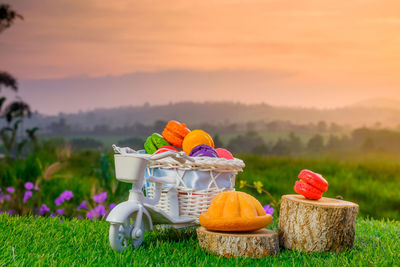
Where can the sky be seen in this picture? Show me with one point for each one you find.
(79, 55)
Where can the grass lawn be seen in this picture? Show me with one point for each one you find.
(48, 241)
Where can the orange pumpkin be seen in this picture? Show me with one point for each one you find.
(235, 211)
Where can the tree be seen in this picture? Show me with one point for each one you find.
(159, 126)
(15, 111)
(7, 17)
(321, 126)
(281, 148)
(335, 127)
(316, 143)
(368, 144)
(295, 143)
(218, 141)
(245, 143)
(6, 80)
(334, 142)
(59, 127)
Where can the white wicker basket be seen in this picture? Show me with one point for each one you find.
(198, 182)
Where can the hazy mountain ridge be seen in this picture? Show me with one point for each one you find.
(221, 113)
(384, 103)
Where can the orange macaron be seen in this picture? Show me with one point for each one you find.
(195, 138)
(175, 132)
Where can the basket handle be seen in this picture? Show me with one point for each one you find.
(178, 156)
(161, 180)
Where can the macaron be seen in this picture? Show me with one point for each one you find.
(195, 138)
(223, 153)
(165, 149)
(203, 151)
(154, 142)
(311, 185)
(175, 132)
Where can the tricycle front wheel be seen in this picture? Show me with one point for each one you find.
(123, 235)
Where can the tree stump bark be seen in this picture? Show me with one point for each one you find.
(316, 225)
(255, 244)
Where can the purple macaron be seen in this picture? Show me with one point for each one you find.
(203, 151)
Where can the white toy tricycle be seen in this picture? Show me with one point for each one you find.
(178, 189)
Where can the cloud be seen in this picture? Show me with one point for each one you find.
(64, 38)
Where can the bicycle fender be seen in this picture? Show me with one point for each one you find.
(120, 212)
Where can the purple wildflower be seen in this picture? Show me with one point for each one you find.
(268, 209)
(112, 205)
(82, 206)
(10, 212)
(67, 195)
(7, 197)
(100, 211)
(53, 215)
(10, 190)
(100, 197)
(27, 196)
(60, 212)
(79, 217)
(43, 209)
(90, 214)
(59, 201)
(29, 185)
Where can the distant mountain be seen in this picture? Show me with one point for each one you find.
(384, 103)
(221, 113)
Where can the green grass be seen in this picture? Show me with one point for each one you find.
(373, 184)
(50, 241)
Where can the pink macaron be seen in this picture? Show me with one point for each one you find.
(223, 153)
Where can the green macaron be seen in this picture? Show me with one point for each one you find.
(154, 142)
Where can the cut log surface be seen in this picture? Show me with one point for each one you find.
(255, 244)
(316, 225)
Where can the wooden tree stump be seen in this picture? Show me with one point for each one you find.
(255, 244)
(316, 225)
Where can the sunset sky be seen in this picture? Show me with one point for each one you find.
(78, 55)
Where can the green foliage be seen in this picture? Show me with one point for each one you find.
(86, 143)
(373, 184)
(287, 144)
(246, 143)
(53, 241)
(8, 136)
(132, 142)
(16, 110)
(217, 141)
(19, 171)
(316, 143)
(106, 179)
